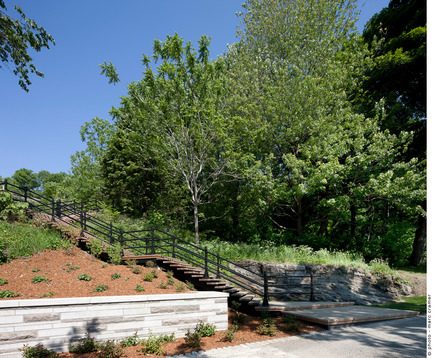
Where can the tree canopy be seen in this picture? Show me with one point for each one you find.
(16, 36)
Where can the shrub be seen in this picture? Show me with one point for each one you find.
(170, 281)
(267, 326)
(100, 288)
(154, 273)
(180, 287)
(37, 279)
(84, 277)
(205, 329)
(36, 270)
(10, 209)
(193, 339)
(115, 276)
(3, 281)
(150, 264)
(229, 335)
(148, 277)
(139, 288)
(136, 269)
(110, 349)
(190, 285)
(84, 345)
(130, 341)
(153, 344)
(38, 351)
(163, 285)
(8, 294)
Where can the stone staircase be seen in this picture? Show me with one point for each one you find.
(327, 314)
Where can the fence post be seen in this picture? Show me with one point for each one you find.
(265, 291)
(312, 286)
(52, 210)
(173, 248)
(218, 266)
(82, 223)
(6, 185)
(25, 193)
(206, 273)
(152, 250)
(59, 208)
(121, 237)
(111, 232)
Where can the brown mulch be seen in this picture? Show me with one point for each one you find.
(62, 268)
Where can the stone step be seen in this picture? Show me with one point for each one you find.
(282, 306)
(349, 315)
(246, 298)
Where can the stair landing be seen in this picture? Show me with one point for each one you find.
(336, 314)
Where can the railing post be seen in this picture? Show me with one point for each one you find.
(206, 273)
(218, 266)
(265, 291)
(121, 237)
(111, 232)
(173, 248)
(152, 251)
(52, 210)
(84, 221)
(25, 193)
(6, 185)
(59, 208)
(312, 286)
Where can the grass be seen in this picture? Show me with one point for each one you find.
(20, 240)
(414, 303)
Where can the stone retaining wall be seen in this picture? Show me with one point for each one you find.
(58, 322)
(336, 283)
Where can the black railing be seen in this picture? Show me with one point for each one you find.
(155, 241)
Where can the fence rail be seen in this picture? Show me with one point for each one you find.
(156, 241)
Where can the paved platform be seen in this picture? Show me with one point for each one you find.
(349, 315)
(281, 306)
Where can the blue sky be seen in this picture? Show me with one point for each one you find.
(39, 130)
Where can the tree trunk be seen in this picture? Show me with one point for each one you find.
(195, 202)
(299, 218)
(420, 241)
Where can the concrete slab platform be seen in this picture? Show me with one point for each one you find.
(338, 316)
(280, 306)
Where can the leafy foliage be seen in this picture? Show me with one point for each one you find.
(38, 351)
(17, 36)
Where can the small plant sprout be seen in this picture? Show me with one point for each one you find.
(38, 279)
(115, 276)
(84, 277)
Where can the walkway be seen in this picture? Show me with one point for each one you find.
(403, 338)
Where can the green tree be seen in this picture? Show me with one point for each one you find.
(397, 74)
(26, 178)
(16, 36)
(85, 181)
(333, 173)
(179, 112)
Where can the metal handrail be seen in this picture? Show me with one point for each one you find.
(173, 246)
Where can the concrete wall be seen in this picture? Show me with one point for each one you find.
(58, 322)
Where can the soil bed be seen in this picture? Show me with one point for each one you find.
(63, 267)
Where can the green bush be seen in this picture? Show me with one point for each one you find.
(153, 344)
(84, 345)
(205, 329)
(38, 351)
(130, 341)
(100, 288)
(109, 349)
(8, 294)
(3, 281)
(38, 279)
(10, 209)
(139, 288)
(115, 276)
(84, 277)
(193, 339)
(267, 326)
